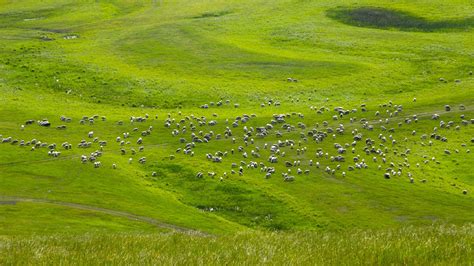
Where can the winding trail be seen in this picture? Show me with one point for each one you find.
(130, 216)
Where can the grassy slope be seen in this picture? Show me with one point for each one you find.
(189, 53)
(51, 219)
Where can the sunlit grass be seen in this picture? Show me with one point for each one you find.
(432, 245)
(167, 58)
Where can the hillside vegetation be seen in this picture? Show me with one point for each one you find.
(130, 119)
(433, 245)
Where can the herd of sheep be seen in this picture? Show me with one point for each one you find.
(282, 145)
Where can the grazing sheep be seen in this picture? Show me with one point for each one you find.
(44, 123)
(54, 153)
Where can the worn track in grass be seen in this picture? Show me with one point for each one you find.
(131, 216)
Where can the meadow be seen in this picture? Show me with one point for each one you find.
(390, 82)
(433, 245)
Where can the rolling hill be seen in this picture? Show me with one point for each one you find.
(236, 117)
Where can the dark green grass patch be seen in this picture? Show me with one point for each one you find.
(384, 18)
(213, 14)
(231, 198)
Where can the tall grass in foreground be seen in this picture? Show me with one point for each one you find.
(433, 245)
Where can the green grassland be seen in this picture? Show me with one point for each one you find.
(433, 245)
(119, 59)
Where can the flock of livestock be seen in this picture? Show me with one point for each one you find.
(283, 144)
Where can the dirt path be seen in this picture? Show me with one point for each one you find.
(131, 216)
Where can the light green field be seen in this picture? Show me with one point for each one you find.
(120, 59)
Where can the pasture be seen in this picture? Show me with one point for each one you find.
(236, 119)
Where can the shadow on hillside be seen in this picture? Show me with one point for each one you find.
(213, 14)
(382, 18)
